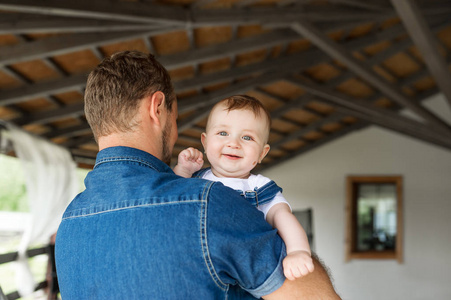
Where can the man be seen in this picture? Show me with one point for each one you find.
(139, 231)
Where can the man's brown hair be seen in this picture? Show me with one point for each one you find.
(116, 86)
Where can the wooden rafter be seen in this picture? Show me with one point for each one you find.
(377, 115)
(309, 31)
(426, 43)
(17, 24)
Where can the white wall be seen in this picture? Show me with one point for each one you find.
(317, 179)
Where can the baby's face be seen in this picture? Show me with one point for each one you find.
(235, 141)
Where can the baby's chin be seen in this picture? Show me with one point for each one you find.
(230, 174)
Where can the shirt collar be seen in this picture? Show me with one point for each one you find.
(121, 153)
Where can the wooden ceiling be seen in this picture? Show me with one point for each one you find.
(324, 68)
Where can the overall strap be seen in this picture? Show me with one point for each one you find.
(200, 173)
(263, 194)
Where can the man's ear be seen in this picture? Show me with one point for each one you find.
(157, 106)
(264, 152)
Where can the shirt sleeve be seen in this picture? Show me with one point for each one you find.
(278, 198)
(259, 181)
(243, 248)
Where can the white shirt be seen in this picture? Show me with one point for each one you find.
(248, 184)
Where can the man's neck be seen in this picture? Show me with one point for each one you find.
(132, 140)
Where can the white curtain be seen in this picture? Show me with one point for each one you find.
(51, 182)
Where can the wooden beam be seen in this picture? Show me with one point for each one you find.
(278, 16)
(43, 89)
(170, 62)
(377, 115)
(209, 99)
(360, 124)
(205, 102)
(426, 42)
(21, 25)
(304, 59)
(301, 61)
(326, 44)
(102, 10)
(394, 126)
(200, 55)
(79, 141)
(175, 15)
(70, 131)
(59, 45)
(314, 144)
(314, 126)
(362, 4)
(244, 3)
(48, 116)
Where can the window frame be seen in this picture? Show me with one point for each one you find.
(351, 218)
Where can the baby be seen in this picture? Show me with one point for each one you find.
(235, 141)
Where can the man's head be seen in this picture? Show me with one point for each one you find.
(116, 87)
(236, 136)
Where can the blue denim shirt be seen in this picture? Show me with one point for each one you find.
(139, 231)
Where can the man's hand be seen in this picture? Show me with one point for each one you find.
(297, 264)
(190, 161)
(314, 286)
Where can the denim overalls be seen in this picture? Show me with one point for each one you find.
(258, 196)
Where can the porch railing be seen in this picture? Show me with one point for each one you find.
(50, 282)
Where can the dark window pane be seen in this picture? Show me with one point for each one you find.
(376, 217)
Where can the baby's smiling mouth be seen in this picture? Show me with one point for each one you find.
(231, 156)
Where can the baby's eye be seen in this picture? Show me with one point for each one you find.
(247, 138)
(222, 133)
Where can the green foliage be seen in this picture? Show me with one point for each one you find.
(13, 198)
(13, 192)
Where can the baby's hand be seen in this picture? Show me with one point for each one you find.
(297, 264)
(190, 160)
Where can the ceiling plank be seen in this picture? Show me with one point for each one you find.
(301, 61)
(370, 112)
(195, 56)
(311, 57)
(206, 101)
(70, 131)
(170, 62)
(65, 44)
(177, 15)
(74, 110)
(314, 144)
(43, 89)
(445, 143)
(426, 42)
(306, 129)
(78, 82)
(360, 124)
(326, 44)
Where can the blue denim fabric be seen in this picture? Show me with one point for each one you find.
(139, 231)
(258, 196)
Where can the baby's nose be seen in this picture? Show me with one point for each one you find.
(233, 142)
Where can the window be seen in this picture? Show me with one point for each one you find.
(305, 217)
(374, 217)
